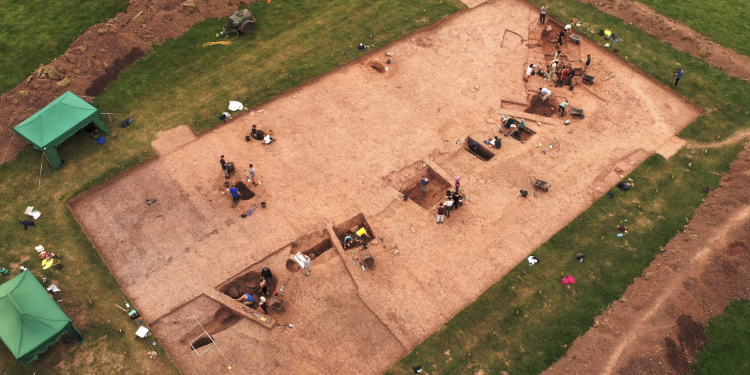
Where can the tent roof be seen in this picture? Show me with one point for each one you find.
(31, 318)
(55, 120)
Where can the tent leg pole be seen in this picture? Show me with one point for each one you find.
(6, 150)
(40, 172)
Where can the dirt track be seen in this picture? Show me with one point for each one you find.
(657, 327)
(95, 59)
(347, 144)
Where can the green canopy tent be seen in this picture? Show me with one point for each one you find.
(58, 121)
(31, 319)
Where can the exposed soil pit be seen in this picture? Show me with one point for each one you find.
(352, 225)
(222, 319)
(312, 245)
(378, 67)
(547, 108)
(481, 152)
(523, 135)
(245, 192)
(246, 283)
(111, 72)
(436, 188)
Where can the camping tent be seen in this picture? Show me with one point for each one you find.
(31, 319)
(56, 122)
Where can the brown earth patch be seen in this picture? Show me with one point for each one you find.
(96, 58)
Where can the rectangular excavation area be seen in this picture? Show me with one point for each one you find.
(197, 340)
(434, 191)
(312, 244)
(537, 107)
(350, 227)
(477, 148)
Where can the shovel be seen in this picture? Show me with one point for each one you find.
(360, 264)
(354, 263)
(381, 241)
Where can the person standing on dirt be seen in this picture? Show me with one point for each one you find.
(235, 196)
(529, 71)
(263, 305)
(456, 201)
(424, 183)
(448, 206)
(458, 184)
(561, 107)
(266, 274)
(246, 299)
(588, 63)
(543, 14)
(677, 76)
(264, 286)
(224, 167)
(440, 214)
(560, 39)
(251, 172)
(552, 73)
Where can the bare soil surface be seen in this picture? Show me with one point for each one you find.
(97, 57)
(657, 325)
(678, 35)
(348, 144)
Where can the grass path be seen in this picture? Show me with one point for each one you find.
(177, 83)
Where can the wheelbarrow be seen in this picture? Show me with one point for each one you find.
(577, 112)
(367, 258)
(587, 79)
(541, 185)
(574, 39)
(276, 303)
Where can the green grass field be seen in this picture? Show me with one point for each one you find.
(34, 32)
(177, 83)
(723, 21)
(524, 323)
(728, 342)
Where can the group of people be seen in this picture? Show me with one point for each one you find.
(258, 134)
(247, 299)
(453, 202)
(510, 125)
(226, 169)
(350, 241)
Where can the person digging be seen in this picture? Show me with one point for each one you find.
(349, 241)
(246, 299)
(235, 195)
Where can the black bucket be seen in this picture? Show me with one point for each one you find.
(406, 197)
(247, 138)
(263, 204)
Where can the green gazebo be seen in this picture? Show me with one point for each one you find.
(31, 319)
(58, 121)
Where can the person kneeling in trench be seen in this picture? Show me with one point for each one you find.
(267, 139)
(349, 241)
(362, 232)
(246, 299)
